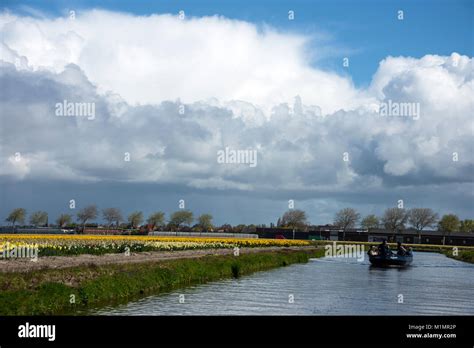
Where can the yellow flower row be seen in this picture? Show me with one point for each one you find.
(4, 246)
(106, 239)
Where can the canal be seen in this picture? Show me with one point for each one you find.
(432, 285)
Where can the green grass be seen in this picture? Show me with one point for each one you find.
(50, 292)
(462, 255)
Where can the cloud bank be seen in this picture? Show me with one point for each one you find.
(170, 93)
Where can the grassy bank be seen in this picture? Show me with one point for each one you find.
(462, 255)
(66, 291)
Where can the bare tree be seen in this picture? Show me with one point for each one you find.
(449, 223)
(135, 219)
(294, 218)
(156, 219)
(63, 219)
(181, 217)
(420, 218)
(370, 221)
(345, 219)
(86, 214)
(394, 219)
(205, 222)
(467, 226)
(39, 218)
(17, 215)
(112, 215)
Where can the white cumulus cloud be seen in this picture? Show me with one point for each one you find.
(154, 58)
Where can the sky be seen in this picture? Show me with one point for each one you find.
(366, 31)
(169, 92)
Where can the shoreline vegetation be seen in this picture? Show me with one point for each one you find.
(463, 255)
(76, 290)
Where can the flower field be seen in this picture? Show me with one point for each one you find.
(58, 245)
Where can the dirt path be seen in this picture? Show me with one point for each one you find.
(55, 262)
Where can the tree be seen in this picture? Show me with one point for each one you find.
(345, 219)
(294, 218)
(226, 228)
(420, 218)
(135, 219)
(240, 228)
(63, 220)
(250, 229)
(370, 221)
(196, 228)
(156, 219)
(86, 214)
(467, 226)
(181, 217)
(112, 215)
(17, 215)
(394, 219)
(39, 218)
(205, 222)
(449, 223)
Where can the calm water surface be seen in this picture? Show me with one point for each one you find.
(432, 285)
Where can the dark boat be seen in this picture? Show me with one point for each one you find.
(390, 259)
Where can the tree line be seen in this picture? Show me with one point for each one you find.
(393, 219)
(114, 219)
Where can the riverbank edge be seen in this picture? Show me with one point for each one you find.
(462, 255)
(75, 290)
